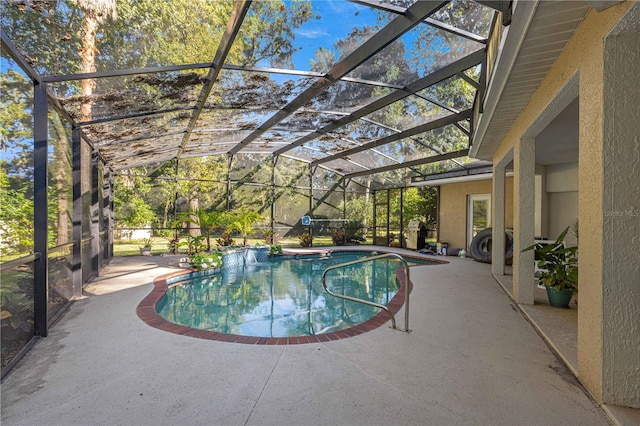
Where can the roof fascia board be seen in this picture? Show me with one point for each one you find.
(457, 179)
(514, 35)
(601, 5)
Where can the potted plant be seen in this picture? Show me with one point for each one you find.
(145, 248)
(557, 269)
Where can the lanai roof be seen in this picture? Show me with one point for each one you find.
(368, 87)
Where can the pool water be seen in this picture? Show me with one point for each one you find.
(282, 298)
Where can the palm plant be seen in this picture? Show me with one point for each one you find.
(243, 222)
(207, 221)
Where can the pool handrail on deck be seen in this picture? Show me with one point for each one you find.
(367, 302)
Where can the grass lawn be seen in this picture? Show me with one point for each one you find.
(161, 245)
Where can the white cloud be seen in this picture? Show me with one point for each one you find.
(312, 33)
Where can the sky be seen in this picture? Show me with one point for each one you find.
(337, 19)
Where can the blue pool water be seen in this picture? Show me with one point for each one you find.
(281, 298)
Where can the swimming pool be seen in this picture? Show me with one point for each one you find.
(280, 299)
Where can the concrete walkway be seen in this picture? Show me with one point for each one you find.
(471, 359)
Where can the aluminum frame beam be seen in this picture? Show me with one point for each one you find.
(137, 115)
(391, 32)
(122, 73)
(468, 171)
(433, 22)
(184, 67)
(503, 6)
(15, 54)
(441, 122)
(429, 80)
(231, 31)
(41, 210)
(413, 163)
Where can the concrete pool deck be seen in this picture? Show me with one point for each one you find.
(471, 358)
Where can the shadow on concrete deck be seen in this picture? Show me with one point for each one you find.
(471, 358)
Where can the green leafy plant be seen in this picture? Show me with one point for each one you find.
(271, 237)
(558, 264)
(195, 244)
(243, 222)
(338, 237)
(275, 249)
(173, 245)
(16, 311)
(207, 221)
(147, 243)
(200, 261)
(305, 240)
(225, 240)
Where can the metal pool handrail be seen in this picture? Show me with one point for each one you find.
(367, 302)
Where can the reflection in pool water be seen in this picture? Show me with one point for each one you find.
(281, 298)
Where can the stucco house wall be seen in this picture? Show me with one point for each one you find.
(561, 187)
(452, 214)
(599, 65)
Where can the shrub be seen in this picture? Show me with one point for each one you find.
(226, 240)
(305, 240)
(202, 261)
(275, 249)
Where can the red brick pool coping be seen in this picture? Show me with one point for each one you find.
(146, 311)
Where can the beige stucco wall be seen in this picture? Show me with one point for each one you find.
(452, 220)
(561, 187)
(584, 56)
(621, 214)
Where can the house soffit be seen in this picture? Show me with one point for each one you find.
(543, 30)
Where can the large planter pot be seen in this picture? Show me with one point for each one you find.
(559, 299)
(145, 251)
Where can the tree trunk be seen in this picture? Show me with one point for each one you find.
(366, 203)
(166, 213)
(88, 56)
(194, 203)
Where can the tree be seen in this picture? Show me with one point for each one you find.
(16, 218)
(16, 162)
(200, 182)
(131, 210)
(95, 12)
